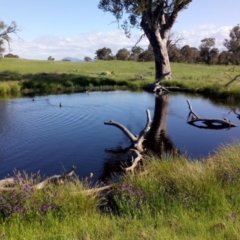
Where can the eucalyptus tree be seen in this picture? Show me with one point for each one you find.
(233, 44)
(5, 31)
(123, 54)
(103, 53)
(208, 52)
(155, 18)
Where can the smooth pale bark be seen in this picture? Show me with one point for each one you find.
(158, 39)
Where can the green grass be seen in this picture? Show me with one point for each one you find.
(55, 76)
(173, 198)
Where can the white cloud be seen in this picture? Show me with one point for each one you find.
(77, 46)
(86, 44)
(193, 36)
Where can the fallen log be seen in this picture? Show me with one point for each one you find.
(8, 183)
(135, 161)
(210, 123)
(137, 140)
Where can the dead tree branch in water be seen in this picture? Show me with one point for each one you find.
(135, 161)
(137, 140)
(210, 123)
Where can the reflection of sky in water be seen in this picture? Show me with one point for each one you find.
(39, 135)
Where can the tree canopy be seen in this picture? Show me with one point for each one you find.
(155, 17)
(233, 44)
(5, 31)
(103, 53)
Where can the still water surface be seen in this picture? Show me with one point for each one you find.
(41, 135)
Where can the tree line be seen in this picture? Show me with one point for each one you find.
(206, 52)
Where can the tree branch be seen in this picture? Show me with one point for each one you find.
(210, 123)
(232, 79)
(5, 183)
(124, 130)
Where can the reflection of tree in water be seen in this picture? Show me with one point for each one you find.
(116, 158)
(158, 142)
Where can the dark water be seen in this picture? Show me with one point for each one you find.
(41, 135)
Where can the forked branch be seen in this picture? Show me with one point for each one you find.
(210, 123)
(137, 141)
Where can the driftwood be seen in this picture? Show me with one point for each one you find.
(160, 90)
(97, 190)
(7, 184)
(151, 86)
(137, 140)
(135, 161)
(210, 123)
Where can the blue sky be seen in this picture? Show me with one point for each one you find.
(77, 28)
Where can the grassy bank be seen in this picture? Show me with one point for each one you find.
(57, 76)
(171, 199)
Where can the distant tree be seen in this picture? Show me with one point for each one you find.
(214, 52)
(174, 53)
(233, 44)
(122, 54)
(186, 52)
(5, 31)
(224, 58)
(135, 52)
(207, 50)
(50, 58)
(195, 55)
(104, 54)
(10, 55)
(87, 59)
(147, 55)
(156, 18)
(66, 60)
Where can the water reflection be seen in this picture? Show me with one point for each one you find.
(157, 142)
(39, 135)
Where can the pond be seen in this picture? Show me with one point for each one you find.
(39, 135)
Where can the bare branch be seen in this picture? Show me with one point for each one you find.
(124, 129)
(232, 79)
(139, 40)
(210, 123)
(5, 183)
(135, 161)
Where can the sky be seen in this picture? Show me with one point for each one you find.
(77, 28)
